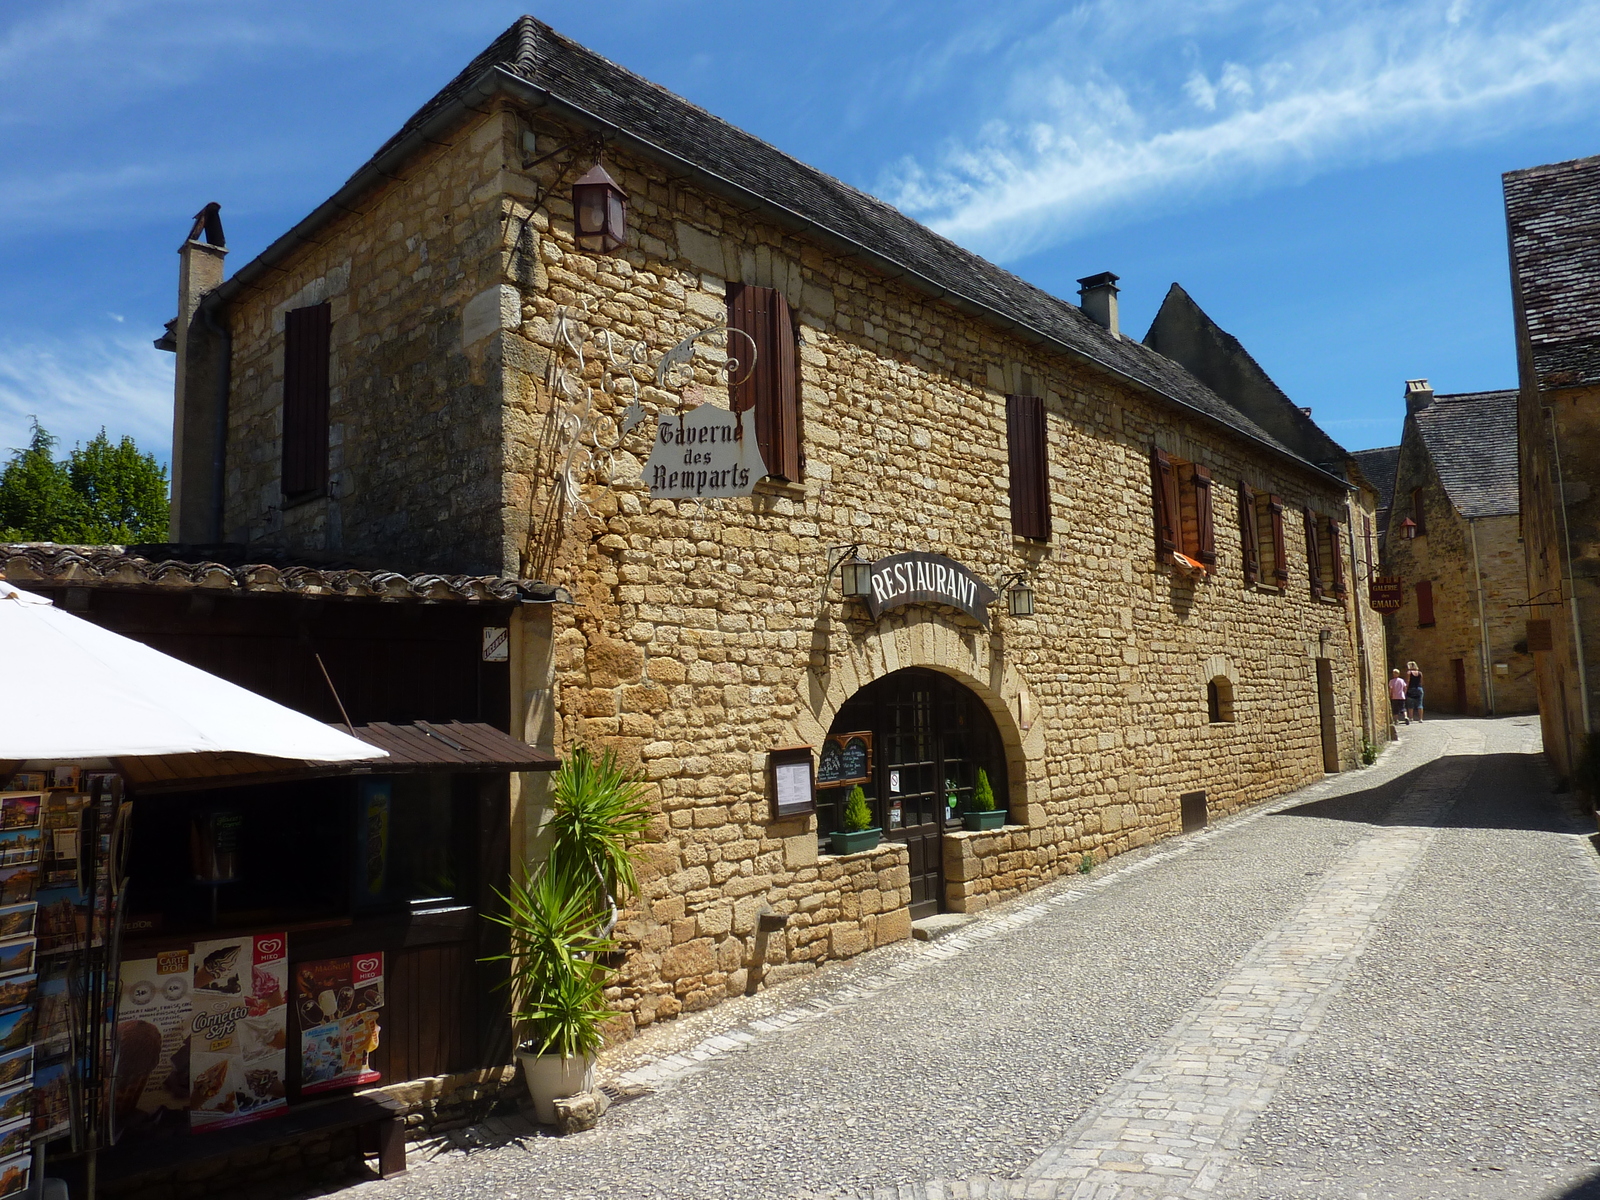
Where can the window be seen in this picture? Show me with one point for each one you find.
(1249, 535)
(1425, 603)
(1183, 518)
(1027, 444)
(1323, 556)
(1418, 512)
(1261, 538)
(305, 401)
(1313, 554)
(1335, 556)
(772, 386)
(1219, 700)
(1280, 557)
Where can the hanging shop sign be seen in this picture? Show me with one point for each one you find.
(920, 578)
(1540, 637)
(1387, 594)
(705, 453)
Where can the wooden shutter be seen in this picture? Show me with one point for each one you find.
(1280, 559)
(1026, 445)
(1205, 548)
(1164, 486)
(1425, 602)
(1366, 537)
(772, 387)
(1313, 554)
(1419, 513)
(1249, 540)
(1336, 557)
(305, 400)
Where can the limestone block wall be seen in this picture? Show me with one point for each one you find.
(1444, 556)
(414, 411)
(702, 636)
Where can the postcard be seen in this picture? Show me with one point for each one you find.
(18, 884)
(20, 810)
(16, 991)
(52, 1101)
(16, 920)
(14, 1174)
(20, 846)
(16, 1102)
(16, 956)
(17, 1065)
(16, 1029)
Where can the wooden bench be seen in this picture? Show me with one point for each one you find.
(376, 1118)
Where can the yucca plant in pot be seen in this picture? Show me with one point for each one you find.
(559, 919)
(858, 833)
(982, 813)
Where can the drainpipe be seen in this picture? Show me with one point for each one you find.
(1572, 594)
(1483, 622)
(1367, 721)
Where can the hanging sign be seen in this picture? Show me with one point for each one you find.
(705, 453)
(1387, 594)
(919, 578)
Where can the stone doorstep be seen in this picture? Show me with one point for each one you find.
(931, 929)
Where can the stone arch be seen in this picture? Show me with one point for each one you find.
(1220, 683)
(969, 655)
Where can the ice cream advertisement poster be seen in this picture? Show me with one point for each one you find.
(337, 1002)
(238, 1030)
(154, 1006)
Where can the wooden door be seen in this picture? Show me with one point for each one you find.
(1325, 710)
(911, 789)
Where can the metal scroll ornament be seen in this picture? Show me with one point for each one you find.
(702, 453)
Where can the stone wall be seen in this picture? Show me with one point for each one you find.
(414, 410)
(1444, 555)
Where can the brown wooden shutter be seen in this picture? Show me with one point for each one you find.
(772, 387)
(1313, 554)
(1205, 530)
(1425, 602)
(1366, 536)
(1026, 445)
(1280, 558)
(1336, 557)
(305, 400)
(1164, 486)
(1249, 540)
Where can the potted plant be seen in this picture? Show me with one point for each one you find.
(858, 833)
(983, 814)
(559, 919)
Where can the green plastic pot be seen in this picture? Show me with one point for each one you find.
(854, 842)
(975, 819)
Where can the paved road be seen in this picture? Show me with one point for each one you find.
(1387, 985)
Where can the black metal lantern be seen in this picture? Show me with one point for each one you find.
(855, 577)
(1019, 600)
(599, 211)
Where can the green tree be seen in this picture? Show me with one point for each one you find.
(101, 493)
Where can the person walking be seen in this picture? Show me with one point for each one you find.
(1414, 693)
(1397, 697)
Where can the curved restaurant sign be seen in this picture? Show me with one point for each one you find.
(919, 578)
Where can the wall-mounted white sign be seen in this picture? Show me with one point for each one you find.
(705, 453)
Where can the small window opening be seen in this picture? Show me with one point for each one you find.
(1219, 700)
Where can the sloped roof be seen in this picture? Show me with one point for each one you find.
(535, 64)
(1379, 467)
(46, 564)
(1553, 217)
(1472, 439)
(1185, 333)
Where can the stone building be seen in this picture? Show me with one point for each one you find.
(1454, 538)
(1379, 466)
(1553, 219)
(1117, 588)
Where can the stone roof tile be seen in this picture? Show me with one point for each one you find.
(1472, 439)
(1553, 217)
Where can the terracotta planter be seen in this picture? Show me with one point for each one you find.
(975, 819)
(551, 1077)
(854, 842)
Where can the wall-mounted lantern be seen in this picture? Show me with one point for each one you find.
(855, 577)
(599, 211)
(1408, 529)
(1019, 595)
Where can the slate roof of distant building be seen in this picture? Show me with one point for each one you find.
(1553, 216)
(1472, 439)
(534, 61)
(1379, 467)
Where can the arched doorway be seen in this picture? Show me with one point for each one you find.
(929, 736)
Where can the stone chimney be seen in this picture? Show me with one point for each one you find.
(195, 406)
(1098, 295)
(1418, 395)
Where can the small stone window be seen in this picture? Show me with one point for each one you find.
(1219, 700)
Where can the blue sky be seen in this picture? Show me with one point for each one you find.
(1322, 177)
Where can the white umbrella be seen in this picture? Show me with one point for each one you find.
(70, 690)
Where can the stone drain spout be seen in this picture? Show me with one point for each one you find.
(767, 922)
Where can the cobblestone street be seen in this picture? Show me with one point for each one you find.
(1385, 985)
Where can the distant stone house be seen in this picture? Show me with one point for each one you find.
(1454, 539)
(1114, 581)
(1378, 467)
(1553, 219)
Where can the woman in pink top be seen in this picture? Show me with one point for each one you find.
(1397, 696)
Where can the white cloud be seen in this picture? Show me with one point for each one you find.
(1111, 127)
(76, 387)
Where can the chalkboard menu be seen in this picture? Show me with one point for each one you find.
(846, 758)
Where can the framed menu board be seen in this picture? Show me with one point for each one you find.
(790, 781)
(846, 758)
